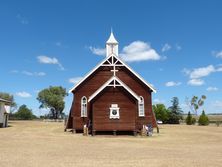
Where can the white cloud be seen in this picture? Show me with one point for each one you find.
(202, 72)
(139, 51)
(61, 45)
(40, 74)
(217, 103)
(24, 94)
(48, 60)
(219, 68)
(195, 82)
(186, 71)
(14, 71)
(211, 89)
(197, 74)
(178, 47)
(98, 51)
(22, 19)
(135, 51)
(172, 83)
(75, 80)
(185, 107)
(158, 101)
(30, 73)
(217, 54)
(58, 44)
(166, 47)
(27, 73)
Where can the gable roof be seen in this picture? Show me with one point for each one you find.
(3, 100)
(124, 64)
(114, 82)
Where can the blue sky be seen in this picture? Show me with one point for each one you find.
(174, 45)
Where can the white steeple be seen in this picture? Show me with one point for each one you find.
(111, 45)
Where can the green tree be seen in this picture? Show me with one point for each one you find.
(160, 112)
(24, 113)
(53, 98)
(195, 103)
(175, 112)
(203, 119)
(189, 119)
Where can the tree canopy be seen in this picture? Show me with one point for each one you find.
(175, 112)
(160, 112)
(195, 103)
(23, 113)
(53, 99)
(203, 119)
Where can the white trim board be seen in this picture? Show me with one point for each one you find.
(117, 82)
(3, 100)
(100, 64)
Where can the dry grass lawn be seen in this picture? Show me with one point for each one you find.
(34, 143)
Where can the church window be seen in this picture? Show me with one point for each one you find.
(84, 107)
(141, 107)
(114, 111)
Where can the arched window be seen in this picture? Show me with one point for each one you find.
(84, 106)
(141, 107)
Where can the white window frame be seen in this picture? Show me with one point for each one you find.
(141, 109)
(84, 106)
(111, 109)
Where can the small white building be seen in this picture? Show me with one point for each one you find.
(4, 112)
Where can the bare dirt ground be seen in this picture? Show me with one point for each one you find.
(35, 143)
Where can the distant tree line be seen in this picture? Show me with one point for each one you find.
(173, 114)
(51, 98)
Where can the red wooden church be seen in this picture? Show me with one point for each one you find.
(111, 97)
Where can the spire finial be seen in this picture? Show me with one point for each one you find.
(112, 39)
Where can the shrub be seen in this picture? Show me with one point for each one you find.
(189, 119)
(23, 113)
(193, 121)
(203, 119)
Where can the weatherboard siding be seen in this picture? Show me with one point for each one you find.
(101, 112)
(101, 122)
